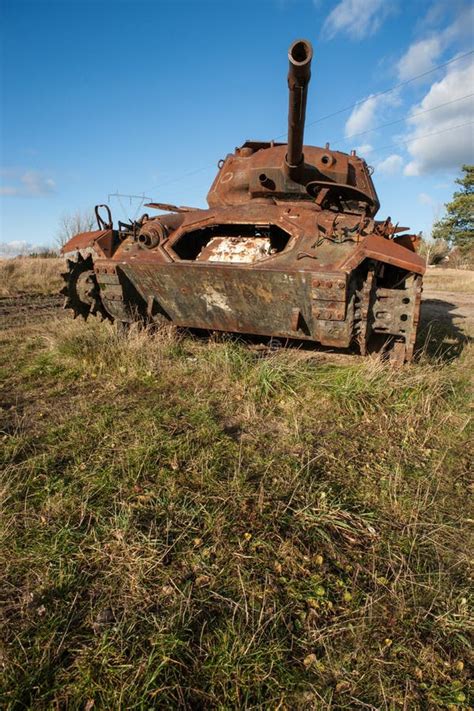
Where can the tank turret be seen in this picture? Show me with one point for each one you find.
(260, 169)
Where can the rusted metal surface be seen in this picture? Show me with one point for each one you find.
(100, 243)
(167, 207)
(289, 247)
(300, 55)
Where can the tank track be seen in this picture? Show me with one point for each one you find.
(387, 318)
(81, 291)
(362, 311)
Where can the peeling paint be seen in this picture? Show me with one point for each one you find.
(214, 298)
(240, 250)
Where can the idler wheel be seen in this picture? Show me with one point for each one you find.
(81, 290)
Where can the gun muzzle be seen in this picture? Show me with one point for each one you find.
(300, 55)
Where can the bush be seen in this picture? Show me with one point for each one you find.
(434, 251)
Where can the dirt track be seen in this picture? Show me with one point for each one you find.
(449, 307)
(15, 310)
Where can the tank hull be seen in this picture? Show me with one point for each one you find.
(312, 289)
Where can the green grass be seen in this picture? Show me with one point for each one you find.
(188, 524)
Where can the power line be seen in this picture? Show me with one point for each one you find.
(374, 150)
(408, 116)
(119, 197)
(385, 91)
(343, 110)
(185, 175)
(417, 138)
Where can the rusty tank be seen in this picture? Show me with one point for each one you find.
(288, 248)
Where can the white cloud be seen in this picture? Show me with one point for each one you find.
(425, 199)
(37, 184)
(30, 183)
(462, 26)
(15, 248)
(368, 113)
(436, 14)
(423, 54)
(420, 57)
(364, 150)
(451, 148)
(356, 18)
(20, 248)
(362, 117)
(391, 165)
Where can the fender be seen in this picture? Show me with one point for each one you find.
(385, 250)
(99, 243)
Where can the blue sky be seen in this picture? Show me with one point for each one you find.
(99, 96)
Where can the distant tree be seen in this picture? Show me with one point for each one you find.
(73, 223)
(434, 251)
(43, 253)
(457, 227)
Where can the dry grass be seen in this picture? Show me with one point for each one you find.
(460, 280)
(191, 525)
(30, 275)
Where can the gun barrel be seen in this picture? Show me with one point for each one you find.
(300, 55)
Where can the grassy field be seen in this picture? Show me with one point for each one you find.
(192, 524)
(459, 280)
(30, 276)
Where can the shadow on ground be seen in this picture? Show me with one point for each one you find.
(441, 332)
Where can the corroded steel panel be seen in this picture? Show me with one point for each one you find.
(225, 298)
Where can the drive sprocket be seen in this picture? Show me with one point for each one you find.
(81, 290)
